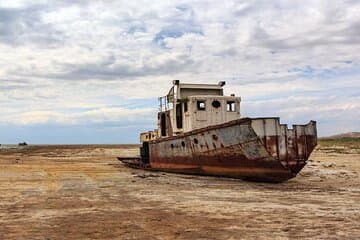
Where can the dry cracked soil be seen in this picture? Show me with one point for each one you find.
(83, 192)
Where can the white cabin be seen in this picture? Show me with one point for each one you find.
(192, 106)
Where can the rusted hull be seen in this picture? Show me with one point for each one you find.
(251, 149)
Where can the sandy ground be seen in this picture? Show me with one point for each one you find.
(83, 192)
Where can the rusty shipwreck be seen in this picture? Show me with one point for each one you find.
(201, 131)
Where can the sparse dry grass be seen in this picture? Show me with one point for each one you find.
(339, 145)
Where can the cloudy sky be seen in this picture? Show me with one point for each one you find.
(77, 71)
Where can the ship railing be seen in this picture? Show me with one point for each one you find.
(164, 104)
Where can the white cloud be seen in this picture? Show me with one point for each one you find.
(72, 56)
(20, 3)
(105, 115)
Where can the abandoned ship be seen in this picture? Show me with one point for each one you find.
(201, 131)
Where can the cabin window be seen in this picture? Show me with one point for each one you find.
(179, 123)
(185, 107)
(201, 105)
(216, 104)
(230, 106)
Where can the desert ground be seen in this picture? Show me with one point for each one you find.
(83, 192)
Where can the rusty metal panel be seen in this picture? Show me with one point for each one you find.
(231, 149)
(282, 142)
(306, 139)
(300, 141)
(268, 130)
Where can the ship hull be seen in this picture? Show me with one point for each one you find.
(252, 149)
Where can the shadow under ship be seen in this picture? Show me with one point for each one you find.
(200, 131)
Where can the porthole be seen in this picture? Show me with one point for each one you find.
(216, 104)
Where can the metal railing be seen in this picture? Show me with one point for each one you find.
(164, 104)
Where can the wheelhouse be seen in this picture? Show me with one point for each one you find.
(187, 107)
